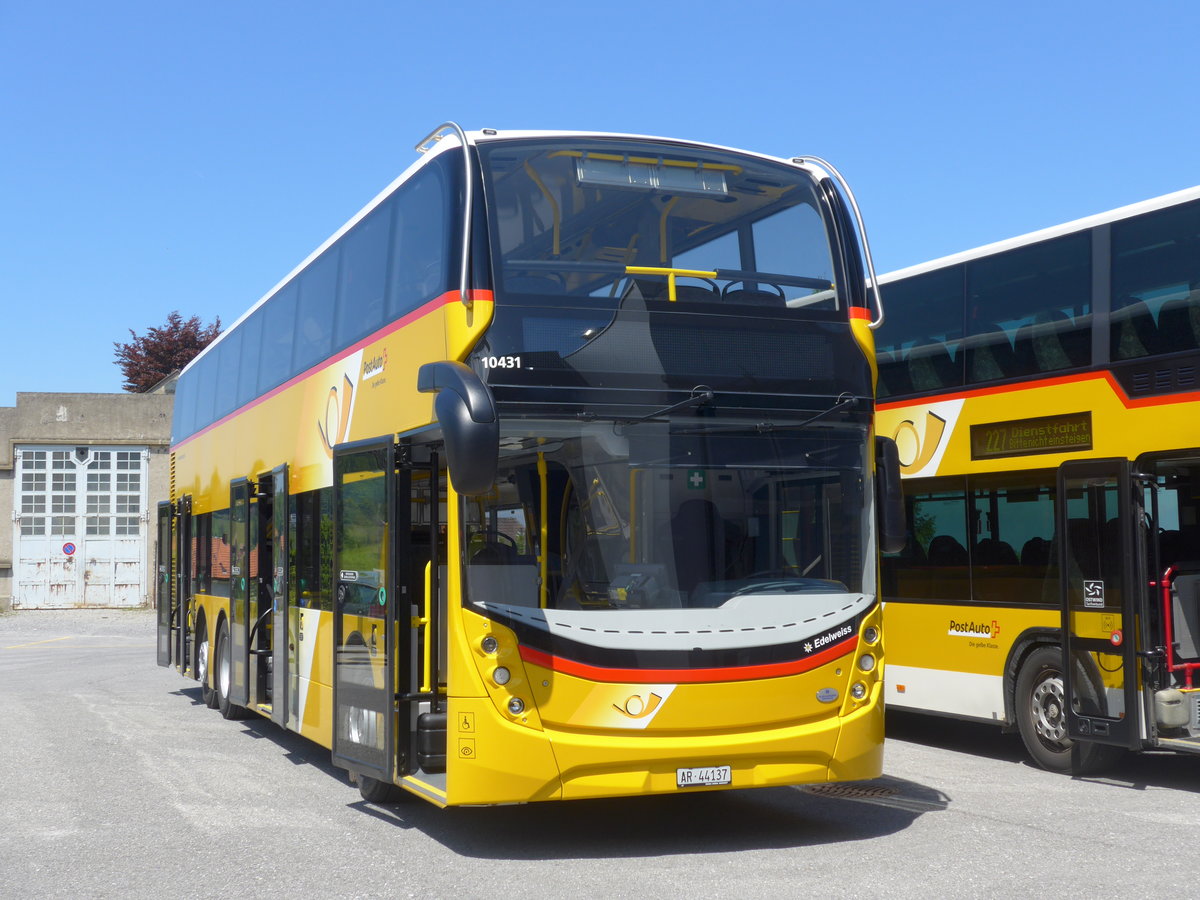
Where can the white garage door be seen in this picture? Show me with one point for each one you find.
(81, 527)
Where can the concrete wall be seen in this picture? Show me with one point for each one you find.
(75, 420)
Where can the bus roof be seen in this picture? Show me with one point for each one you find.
(1033, 237)
(475, 137)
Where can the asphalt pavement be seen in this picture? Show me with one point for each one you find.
(116, 781)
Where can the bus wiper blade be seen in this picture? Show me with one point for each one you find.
(844, 401)
(702, 394)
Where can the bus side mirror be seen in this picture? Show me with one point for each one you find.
(889, 499)
(466, 411)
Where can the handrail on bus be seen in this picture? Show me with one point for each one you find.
(423, 146)
(862, 229)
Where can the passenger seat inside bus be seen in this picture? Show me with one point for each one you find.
(1036, 552)
(1134, 333)
(747, 296)
(1179, 324)
(945, 550)
(991, 356)
(993, 552)
(932, 367)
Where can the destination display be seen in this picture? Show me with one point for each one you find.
(1025, 437)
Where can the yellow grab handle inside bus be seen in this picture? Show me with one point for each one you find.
(423, 622)
(671, 274)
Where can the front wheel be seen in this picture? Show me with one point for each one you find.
(1042, 717)
(375, 791)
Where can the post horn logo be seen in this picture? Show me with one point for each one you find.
(638, 708)
(337, 416)
(923, 450)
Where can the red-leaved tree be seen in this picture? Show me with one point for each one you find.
(149, 358)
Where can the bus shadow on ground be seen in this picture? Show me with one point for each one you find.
(1152, 771)
(1137, 771)
(630, 827)
(976, 738)
(708, 822)
(190, 693)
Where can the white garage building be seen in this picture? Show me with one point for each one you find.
(80, 475)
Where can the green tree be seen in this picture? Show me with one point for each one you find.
(149, 358)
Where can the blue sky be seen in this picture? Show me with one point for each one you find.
(168, 155)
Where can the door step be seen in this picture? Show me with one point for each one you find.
(1182, 745)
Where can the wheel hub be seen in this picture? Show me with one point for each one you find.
(1048, 702)
(202, 662)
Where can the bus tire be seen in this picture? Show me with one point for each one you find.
(207, 693)
(224, 676)
(375, 791)
(1042, 720)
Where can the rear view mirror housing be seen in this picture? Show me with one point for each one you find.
(466, 412)
(889, 498)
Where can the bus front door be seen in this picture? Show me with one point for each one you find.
(280, 596)
(1098, 515)
(364, 695)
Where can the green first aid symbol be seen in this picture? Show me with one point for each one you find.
(696, 479)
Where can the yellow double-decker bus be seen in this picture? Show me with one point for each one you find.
(550, 475)
(1043, 393)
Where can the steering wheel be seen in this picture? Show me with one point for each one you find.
(488, 536)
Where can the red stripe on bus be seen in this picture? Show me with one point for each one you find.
(425, 309)
(860, 312)
(686, 676)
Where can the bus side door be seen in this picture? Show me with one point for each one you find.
(281, 702)
(364, 612)
(242, 509)
(1100, 577)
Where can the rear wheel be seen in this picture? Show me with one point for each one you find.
(224, 678)
(207, 693)
(1042, 717)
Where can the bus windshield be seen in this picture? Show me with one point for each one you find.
(607, 219)
(680, 514)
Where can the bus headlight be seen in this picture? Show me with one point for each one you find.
(501, 675)
(858, 690)
(870, 634)
(866, 662)
(489, 644)
(516, 706)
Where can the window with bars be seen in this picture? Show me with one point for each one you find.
(56, 501)
(33, 493)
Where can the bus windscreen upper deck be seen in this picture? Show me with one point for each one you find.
(640, 266)
(570, 219)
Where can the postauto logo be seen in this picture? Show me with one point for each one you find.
(974, 629)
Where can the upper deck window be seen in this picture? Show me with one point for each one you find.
(601, 220)
(1156, 283)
